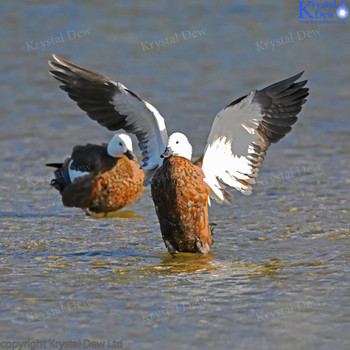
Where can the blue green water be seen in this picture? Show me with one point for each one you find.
(277, 276)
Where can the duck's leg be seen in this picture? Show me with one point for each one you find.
(212, 227)
(169, 246)
(87, 211)
(202, 248)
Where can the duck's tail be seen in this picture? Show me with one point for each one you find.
(62, 178)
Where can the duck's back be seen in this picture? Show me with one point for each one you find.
(180, 196)
(92, 158)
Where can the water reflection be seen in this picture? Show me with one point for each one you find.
(122, 214)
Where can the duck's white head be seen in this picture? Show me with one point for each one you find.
(119, 145)
(178, 145)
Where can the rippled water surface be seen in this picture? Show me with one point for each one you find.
(277, 276)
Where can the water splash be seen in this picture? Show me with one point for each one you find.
(342, 11)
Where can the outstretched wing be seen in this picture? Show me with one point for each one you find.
(115, 107)
(242, 132)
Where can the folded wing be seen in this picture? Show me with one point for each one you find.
(242, 132)
(115, 107)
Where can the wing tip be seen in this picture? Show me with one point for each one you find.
(298, 75)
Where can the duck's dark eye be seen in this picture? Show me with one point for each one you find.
(177, 142)
(120, 144)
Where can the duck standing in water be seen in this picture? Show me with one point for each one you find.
(239, 138)
(100, 178)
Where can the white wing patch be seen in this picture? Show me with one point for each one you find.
(74, 174)
(145, 119)
(231, 148)
(160, 122)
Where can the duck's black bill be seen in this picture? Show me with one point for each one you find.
(167, 153)
(129, 155)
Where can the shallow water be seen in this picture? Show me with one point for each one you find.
(277, 276)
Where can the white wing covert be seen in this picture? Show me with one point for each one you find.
(242, 132)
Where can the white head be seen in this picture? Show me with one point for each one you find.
(178, 145)
(119, 145)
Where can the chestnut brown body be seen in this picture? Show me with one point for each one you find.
(180, 196)
(110, 184)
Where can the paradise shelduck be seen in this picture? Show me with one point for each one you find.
(239, 138)
(100, 178)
